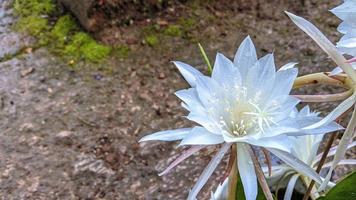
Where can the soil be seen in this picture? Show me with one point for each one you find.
(70, 131)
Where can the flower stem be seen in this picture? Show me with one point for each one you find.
(322, 78)
(325, 97)
(202, 51)
(233, 174)
(260, 175)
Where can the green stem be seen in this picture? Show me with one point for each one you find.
(202, 51)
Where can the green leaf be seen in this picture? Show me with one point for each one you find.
(344, 190)
(202, 51)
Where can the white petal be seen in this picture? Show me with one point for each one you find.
(290, 187)
(338, 111)
(181, 158)
(279, 142)
(332, 151)
(225, 72)
(247, 172)
(342, 162)
(305, 111)
(169, 135)
(288, 66)
(245, 56)
(286, 77)
(342, 148)
(206, 121)
(260, 76)
(324, 43)
(221, 191)
(336, 71)
(191, 100)
(189, 73)
(308, 121)
(200, 136)
(203, 178)
(295, 163)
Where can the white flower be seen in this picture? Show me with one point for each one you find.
(305, 149)
(244, 102)
(347, 13)
(347, 44)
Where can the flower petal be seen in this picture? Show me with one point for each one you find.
(342, 162)
(169, 135)
(332, 152)
(342, 148)
(225, 72)
(247, 172)
(288, 66)
(182, 157)
(338, 111)
(208, 171)
(324, 43)
(200, 136)
(245, 56)
(297, 164)
(290, 187)
(188, 72)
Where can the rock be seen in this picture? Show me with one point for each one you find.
(27, 71)
(64, 137)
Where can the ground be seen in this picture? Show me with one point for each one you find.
(71, 131)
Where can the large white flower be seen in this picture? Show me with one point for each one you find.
(347, 44)
(245, 102)
(347, 13)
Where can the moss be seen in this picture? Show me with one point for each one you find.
(33, 7)
(173, 30)
(62, 29)
(63, 37)
(83, 46)
(151, 40)
(33, 25)
(122, 51)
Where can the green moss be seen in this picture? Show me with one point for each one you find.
(122, 51)
(33, 7)
(173, 30)
(62, 29)
(83, 46)
(33, 25)
(151, 40)
(62, 37)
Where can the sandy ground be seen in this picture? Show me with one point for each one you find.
(71, 132)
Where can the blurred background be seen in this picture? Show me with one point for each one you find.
(82, 81)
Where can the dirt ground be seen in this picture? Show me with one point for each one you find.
(71, 132)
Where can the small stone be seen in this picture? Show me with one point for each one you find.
(27, 127)
(161, 75)
(27, 71)
(64, 137)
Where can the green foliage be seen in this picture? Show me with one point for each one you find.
(34, 25)
(33, 7)
(344, 190)
(173, 30)
(82, 45)
(62, 29)
(63, 37)
(151, 40)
